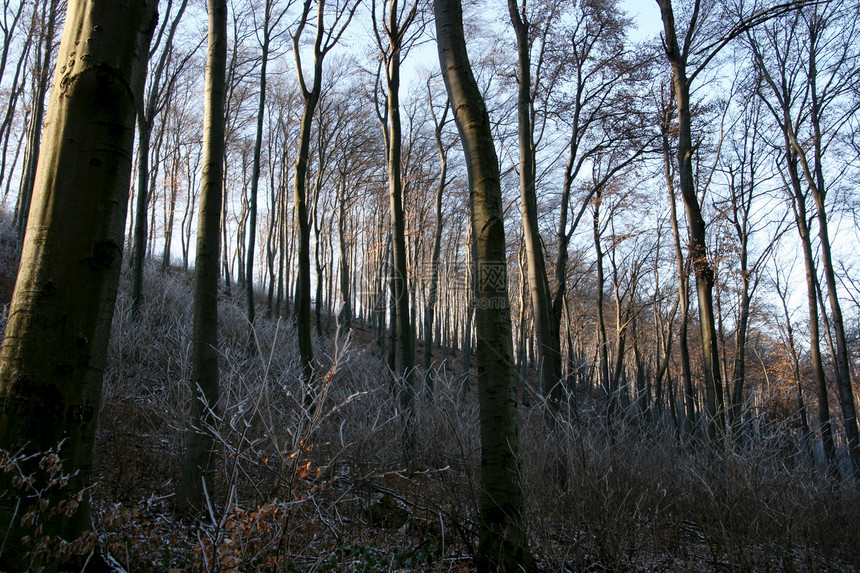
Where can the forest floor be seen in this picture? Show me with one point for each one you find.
(323, 487)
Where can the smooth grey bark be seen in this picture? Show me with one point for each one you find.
(502, 540)
(197, 470)
(54, 350)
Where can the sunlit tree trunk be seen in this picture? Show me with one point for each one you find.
(54, 350)
(44, 53)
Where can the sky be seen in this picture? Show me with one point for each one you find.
(646, 16)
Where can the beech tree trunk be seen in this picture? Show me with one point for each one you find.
(548, 345)
(145, 121)
(196, 480)
(303, 280)
(677, 57)
(43, 67)
(53, 354)
(684, 302)
(502, 541)
(602, 342)
(433, 290)
(255, 178)
(395, 28)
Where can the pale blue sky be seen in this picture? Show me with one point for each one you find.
(646, 15)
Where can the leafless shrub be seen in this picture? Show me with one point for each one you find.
(630, 494)
(297, 466)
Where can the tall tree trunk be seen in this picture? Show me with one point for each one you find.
(698, 253)
(145, 120)
(303, 280)
(815, 178)
(250, 306)
(325, 39)
(392, 47)
(198, 467)
(602, 342)
(54, 350)
(806, 434)
(683, 284)
(34, 135)
(344, 316)
(548, 346)
(800, 214)
(739, 366)
(805, 151)
(400, 282)
(433, 290)
(502, 542)
(170, 213)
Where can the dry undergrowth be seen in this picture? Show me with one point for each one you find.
(294, 492)
(314, 483)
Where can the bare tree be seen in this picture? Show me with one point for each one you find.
(13, 14)
(743, 168)
(272, 16)
(549, 359)
(816, 44)
(395, 33)
(439, 121)
(159, 94)
(196, 480)
(54, 350)
(326, 38)
(502, 542)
